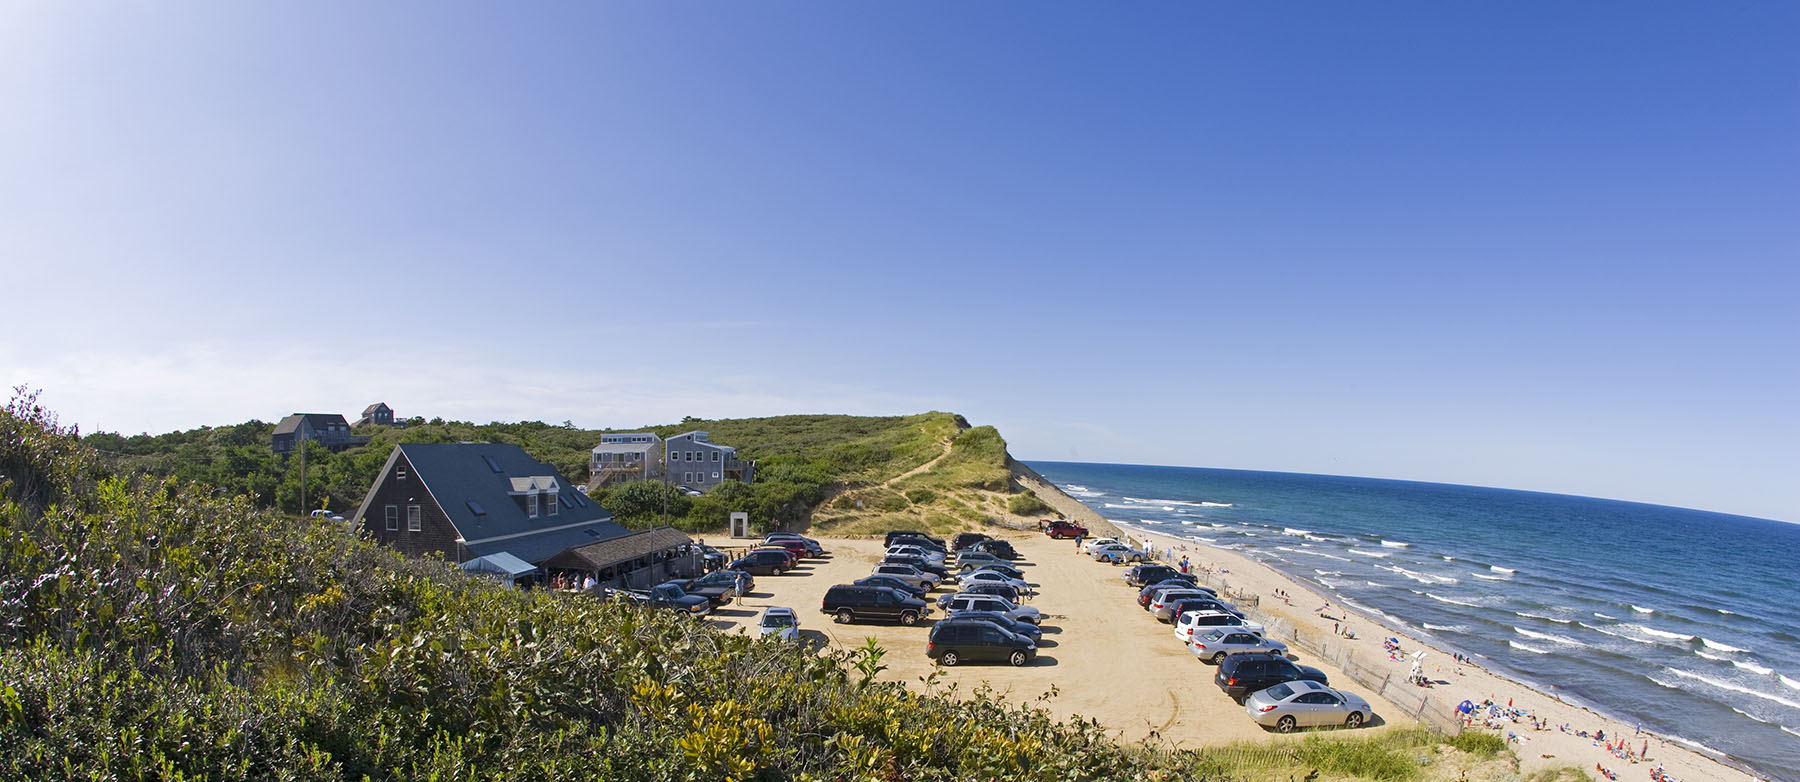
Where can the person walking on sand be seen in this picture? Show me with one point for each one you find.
(1077, 542)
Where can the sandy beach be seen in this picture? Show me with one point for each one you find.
(1452, 683)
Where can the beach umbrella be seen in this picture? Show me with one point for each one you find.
(1465, 707)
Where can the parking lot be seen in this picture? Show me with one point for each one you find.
(1108, 659)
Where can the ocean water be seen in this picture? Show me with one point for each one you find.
(1685, 621)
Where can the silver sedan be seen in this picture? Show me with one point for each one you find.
(1303, 704)
(1213, 645)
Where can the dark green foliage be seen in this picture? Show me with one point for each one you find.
(1475, 742)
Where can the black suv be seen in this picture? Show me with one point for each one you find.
(964, 540)
(852, 603)
(1247, 672)
(998, 548)
(953, 641)
(1145, 574)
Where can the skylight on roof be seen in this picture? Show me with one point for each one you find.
(493, 465)
(592, 533)
(476, 508)
(567, 503)
(580, 500)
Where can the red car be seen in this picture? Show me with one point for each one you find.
(1065, 529)
(795, 547)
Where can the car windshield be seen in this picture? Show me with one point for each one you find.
(1281, 691)
(778, 620)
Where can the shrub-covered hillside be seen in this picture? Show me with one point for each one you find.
(803, 460)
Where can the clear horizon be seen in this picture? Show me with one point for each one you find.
(1537, 247)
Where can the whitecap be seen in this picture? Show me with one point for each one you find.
(1447, 628)
(1335, 583)
(1753, 667)
(1737, 688)
(1725, 611)
(1662, 633)
(1498, 569)
(1717, 657)
(1751, 716)
(1616, 634)
(1332, 556)
(1448, 558)
(1545, 618)
(1486, 577)
(1789, 731)
(1548, 637)
(1316, 538)
(1297, 532)
(1215, 504)
(1524, 648)
(1376, 554)
(1604, 616)
(1328, 572)
(1791, 684)
(1452, 601)
(1395, 544)
(1643, 610)
(1375, 584)
(1711, 644)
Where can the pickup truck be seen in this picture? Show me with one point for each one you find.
(719, 586)
(1065, 529)
(670, 596)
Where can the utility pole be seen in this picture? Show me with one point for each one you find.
(302, 442)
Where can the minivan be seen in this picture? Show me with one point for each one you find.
(954, 641)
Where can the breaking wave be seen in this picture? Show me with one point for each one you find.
(1395, 544)
(1737, 688)
(1452, 601)
(1375, 554)
(1523, 648)
(1711, 644)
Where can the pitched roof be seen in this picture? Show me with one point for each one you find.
(474, 483)
(604, 554)
(291, 424)
(370, 410)
(623, 447)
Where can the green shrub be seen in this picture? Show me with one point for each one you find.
(921, 496)
(1478, 743)
(1027, 504)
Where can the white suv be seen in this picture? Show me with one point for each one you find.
(970, 601)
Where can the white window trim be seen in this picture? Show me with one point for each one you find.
(415, 518)
(531, 506)
(393, 518)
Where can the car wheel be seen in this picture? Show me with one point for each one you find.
(1218, 658)
(909, 618)
(947, 658)
(844, 616)
(778, 571)
(1285, 725)
(1017, 658)
(1354, 721)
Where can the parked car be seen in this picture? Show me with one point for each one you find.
(952, 642)
(1242, 674)
(1152, 572)
(713, 557)
(994, 567)
(853, 603)
(1190, 621)
(779, 622)
(992, 577)
(797, 547)
(792, 558)
(1065, 529)
(902, 533)
(907, 550)
(1302, 704)
(763, 563)
(998, 548)
(1088, 546)
(1150, 590)
(1005, 622)
(892, 581)
(719, 586)
(907, 573)
(936, 569)
(1117, 554)
(669, 595)
(975, 601)
(1220, 642)
(1161, 598)
(1001, 591)
(964, 540)
(813, 548)
(971, 559)
(1182, 605)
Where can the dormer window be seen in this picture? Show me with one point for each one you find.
(531, 505)
(550, 499)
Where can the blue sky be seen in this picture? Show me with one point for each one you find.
(1535, 246)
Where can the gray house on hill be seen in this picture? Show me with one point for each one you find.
(327, 429)
(469, 500)
(697, 463)
(626, 456)
(378, 414)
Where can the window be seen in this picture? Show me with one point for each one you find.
(393, 518)
(400, 473)
(531, 508)
(413, 518)
(690, 456)
(715, 456)
(715, 476)
(550, 500)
